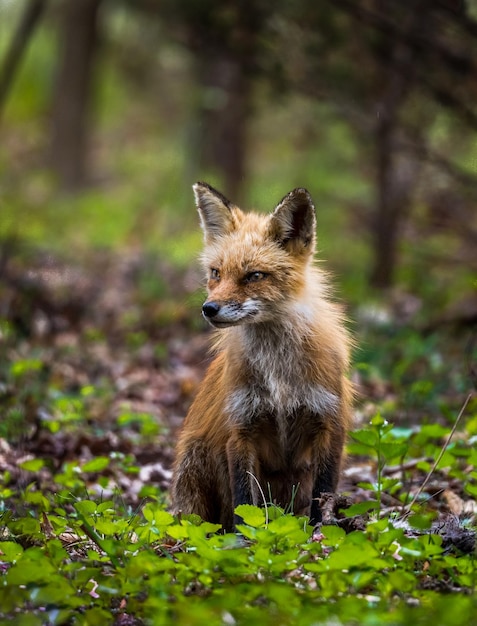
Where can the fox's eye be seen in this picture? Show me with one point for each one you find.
(214, 274)
(253, 277)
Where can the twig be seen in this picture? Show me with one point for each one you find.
(441, 453)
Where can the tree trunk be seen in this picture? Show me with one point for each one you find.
(223, 116)
(224, 38)
(397, 177)
(72, 92)
(396, 173)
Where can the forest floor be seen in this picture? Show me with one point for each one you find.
(99, 361)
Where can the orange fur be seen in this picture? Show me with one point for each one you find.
(276, 401)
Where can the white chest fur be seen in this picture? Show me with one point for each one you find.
(279, 380)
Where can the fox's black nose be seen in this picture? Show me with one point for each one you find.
(210, 309)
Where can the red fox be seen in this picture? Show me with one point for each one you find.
(272, 413)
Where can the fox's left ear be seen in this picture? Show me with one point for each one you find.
(293, 223)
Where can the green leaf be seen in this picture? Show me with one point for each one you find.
(106, 506)
(401, 581)
(471, 489)
(251, 515)
(178, 531)
(26, 365)
(368, 486)
(85, 507)
(361, 507)
(421, 522)
(348, 557)
(365, 436)
(332, 535)
(362, 579)
(27, 526)
(36, 497)
(432, 431)
(424, 466)
(56, 590)
(393, 450)
(10, 551)
(31, 568)
(157, 516)
(96, 617)
(33, 465)
(109, 527)
(290, 528)
(208, 527)
(378, 421)
(87, 390)
(98, 464)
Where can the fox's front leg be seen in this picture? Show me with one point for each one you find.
(325, 482)
(192, 488)
(241, 458)
(327, 471)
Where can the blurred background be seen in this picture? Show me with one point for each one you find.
(111, 109)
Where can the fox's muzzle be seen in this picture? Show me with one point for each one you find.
(229, 313)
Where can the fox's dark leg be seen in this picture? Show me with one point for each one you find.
(325, 482)
(242, 469)
(327, 476)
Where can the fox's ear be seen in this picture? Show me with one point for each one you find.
(215, 211)
(293, 223)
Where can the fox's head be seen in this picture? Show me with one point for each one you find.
(256, 264)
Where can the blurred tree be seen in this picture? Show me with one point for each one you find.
(390, 66)
(396, 176)
(22, 35)
(425, 57)
(78, 39)
(224, 38)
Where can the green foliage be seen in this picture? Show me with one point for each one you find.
(95, 562)
(419, 368)
(145, 423)
(72, 558)
(389, 445)
(29, 388)
(380, 442)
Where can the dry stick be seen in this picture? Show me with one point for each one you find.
(441, 453)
